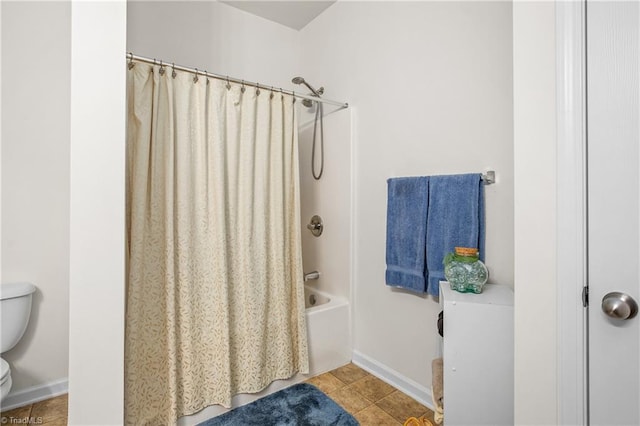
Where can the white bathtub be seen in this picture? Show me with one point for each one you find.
(314, 298)
(329, 348)
(328, 331)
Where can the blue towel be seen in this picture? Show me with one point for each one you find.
(407, 200)
(455, 218)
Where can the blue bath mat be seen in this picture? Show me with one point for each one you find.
(301, 404)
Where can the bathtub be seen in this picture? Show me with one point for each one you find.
(328, 331)
(329, 348)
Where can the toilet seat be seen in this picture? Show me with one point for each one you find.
(5, 371)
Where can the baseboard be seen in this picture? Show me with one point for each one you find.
(35, 394)
(415, 390)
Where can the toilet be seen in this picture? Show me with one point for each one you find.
(15, 309)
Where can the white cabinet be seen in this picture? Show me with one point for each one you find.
(478, 356)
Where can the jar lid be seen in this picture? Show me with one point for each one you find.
(466, 251)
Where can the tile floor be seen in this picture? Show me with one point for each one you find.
(370, 400)
(51, 412)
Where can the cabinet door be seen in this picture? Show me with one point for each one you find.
(478, 357)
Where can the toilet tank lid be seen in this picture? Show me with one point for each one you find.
(11, 290)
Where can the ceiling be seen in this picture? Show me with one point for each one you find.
(293, 14)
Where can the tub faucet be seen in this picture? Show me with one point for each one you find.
(314, 275)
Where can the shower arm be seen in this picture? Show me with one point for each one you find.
(315, 92)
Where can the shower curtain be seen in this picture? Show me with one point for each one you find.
(215, 303)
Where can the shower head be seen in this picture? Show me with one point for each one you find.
(300, 80)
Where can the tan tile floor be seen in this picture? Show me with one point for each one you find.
(370, 400)
(51, 412)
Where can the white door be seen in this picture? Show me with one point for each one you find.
(613, 92)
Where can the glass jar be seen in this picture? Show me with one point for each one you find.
(464, 270)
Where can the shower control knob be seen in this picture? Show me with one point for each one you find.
(316, 226)
(619, 305)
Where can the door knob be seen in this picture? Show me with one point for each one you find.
(619, 305)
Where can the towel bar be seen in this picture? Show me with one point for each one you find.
(489, 177)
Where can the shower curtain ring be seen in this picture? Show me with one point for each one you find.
(195, 79)
(206, 76)
(271, 95)
(242, 89)
(257, 89)
(131, 64)
(173, 72)
(228, 84)
(161, 68)
(294, 96)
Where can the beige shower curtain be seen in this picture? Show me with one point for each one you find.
(215, 302)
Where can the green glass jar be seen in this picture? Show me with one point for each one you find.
(464, 270)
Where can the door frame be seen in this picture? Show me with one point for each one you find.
(571, 169)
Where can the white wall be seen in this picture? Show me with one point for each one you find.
(214, 37)
(534, 44)
(35, 181)
(96, 335)
(431, 88)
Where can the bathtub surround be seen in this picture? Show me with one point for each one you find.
(328, 197)
(215, 301)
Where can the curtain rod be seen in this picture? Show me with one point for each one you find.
(131, 57)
